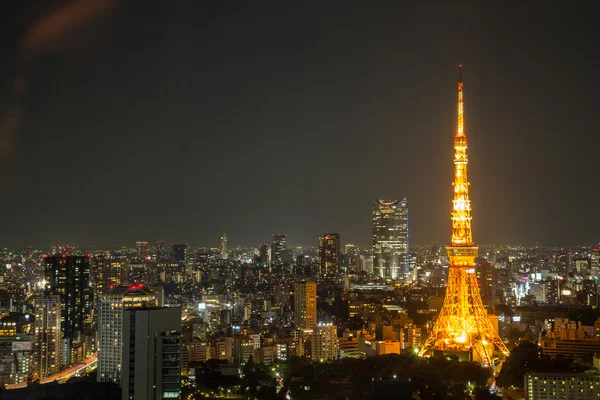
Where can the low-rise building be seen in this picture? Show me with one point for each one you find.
(557, 385)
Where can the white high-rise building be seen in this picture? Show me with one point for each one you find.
(47, 337)
(390, 238)
(110, 327)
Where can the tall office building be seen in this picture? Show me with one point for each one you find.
(485, 278)
(151, 354)
(329, 255)
(263, 254)
(278, 248)
(110, 272)
(143, 250)
(303, 266)
(47, 337)
(179, 251)
(111, 307)
(305, 304)
(390, 238)
(223, 246)
(160, 251)
(69, 278)
(595, 259)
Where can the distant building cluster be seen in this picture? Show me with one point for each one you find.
(69, 310)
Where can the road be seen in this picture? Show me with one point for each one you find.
(63, 375)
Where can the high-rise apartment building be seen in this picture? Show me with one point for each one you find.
(223, 246)
(69, 278)
(324, 343)
(305, 304)
(110, 271)
(329, 255)
(151, 354)
(390, 238)
(47, 336)
(278, 248)
(111, 307)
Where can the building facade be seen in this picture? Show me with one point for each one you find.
(151, 353)
(278, 248)
(329, 255)
(223, 246)
(69, 278)
(179, 251)
(111, 307)
(143, 250)
(305, 304)
(47, 337)
(390, 238)
(110, 272)
(324, 343)
(557, 385)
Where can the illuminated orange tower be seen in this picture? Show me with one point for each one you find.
(463, 325)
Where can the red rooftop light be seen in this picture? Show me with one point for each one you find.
(136, 286)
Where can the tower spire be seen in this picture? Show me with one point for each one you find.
(461, 203)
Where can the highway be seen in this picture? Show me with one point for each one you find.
(63, 375)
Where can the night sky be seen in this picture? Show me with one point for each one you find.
(180, 120)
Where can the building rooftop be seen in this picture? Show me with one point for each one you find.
(564, 374)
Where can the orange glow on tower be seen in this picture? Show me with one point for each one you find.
(463, 325)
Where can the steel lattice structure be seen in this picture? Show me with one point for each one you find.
(463, 324)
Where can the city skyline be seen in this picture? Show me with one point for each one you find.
(211, 200)
(130, 123)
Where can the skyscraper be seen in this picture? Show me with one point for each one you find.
(390, 238)
(329, 255)
(485, 278)
(110, 271)
(263, 254)
(111, 307)
(151, 354)
(223, 246)
(143, 249)
(179, 251)
(69, 278)
(305, 304)
(278, 248)
(47, 337)
(160, 251)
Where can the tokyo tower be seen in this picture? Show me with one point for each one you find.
(463, 326)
